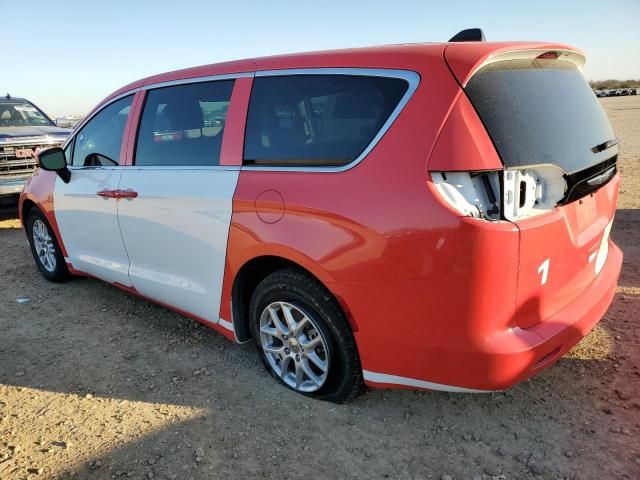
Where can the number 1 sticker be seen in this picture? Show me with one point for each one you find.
(543, 269)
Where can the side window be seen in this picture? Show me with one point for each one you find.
(68, 151)
(183, 125)
(307, 120)
(99, 141)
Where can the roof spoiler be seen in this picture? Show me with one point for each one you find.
(465, 60)
(468, 35)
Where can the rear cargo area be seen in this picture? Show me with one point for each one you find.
(559, 185)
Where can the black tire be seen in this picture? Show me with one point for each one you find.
(344, 380)
(60, 272)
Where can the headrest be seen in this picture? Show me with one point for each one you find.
(185, 115)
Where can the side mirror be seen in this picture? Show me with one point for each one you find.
(54, 160)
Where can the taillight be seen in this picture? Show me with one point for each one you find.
(528, 192)
(510, 194)
(473, 194)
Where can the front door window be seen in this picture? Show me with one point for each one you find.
(98, 142)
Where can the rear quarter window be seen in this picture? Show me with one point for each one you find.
(317, 120)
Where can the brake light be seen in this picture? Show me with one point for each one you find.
(548, 56)
(510, 194)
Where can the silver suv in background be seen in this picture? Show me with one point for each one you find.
(24, 129)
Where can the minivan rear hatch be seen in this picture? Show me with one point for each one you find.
(557, 147)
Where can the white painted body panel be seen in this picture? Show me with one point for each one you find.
(176, 233)
(88, 223)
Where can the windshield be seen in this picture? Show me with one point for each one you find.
(22, 114)
(541, 112)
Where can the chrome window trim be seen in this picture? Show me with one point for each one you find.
(209, 78)
(234, 168)
(95, 167)
(412, 78)
(152, 86)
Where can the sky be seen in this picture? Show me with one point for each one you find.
(68, 55)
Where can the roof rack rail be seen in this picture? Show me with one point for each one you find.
(468, 35)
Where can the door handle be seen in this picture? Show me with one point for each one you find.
(127, 194)
(108, 193)
(117, 194)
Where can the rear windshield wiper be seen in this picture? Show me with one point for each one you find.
(604, 146)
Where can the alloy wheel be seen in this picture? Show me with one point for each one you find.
(43, 243)
(294, 346)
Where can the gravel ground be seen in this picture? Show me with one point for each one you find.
(95, 383)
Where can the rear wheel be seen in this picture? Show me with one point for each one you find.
(45, 249)
(303, 337)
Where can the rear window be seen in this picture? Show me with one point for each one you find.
(324, 120)
(541, 112)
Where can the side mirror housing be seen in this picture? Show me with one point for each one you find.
(54, 160)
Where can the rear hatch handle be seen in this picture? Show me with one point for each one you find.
(605, 146)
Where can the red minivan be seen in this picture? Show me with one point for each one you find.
(430, 216)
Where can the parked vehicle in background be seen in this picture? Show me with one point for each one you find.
(24, 130)
(431, 216)
(68, 121)
(616, 92)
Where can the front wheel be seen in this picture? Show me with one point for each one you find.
(303, 337)
(45, 249)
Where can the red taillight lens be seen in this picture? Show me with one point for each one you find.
(548, 56)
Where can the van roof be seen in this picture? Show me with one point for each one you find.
(463, 57)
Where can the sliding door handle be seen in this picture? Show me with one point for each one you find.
(117, 194)
(127, 194)
(108, 193)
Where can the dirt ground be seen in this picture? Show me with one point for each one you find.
(95, 383)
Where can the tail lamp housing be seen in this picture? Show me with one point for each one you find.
(509, 194)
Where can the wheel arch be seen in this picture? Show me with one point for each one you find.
(25, 208)
(251, 273)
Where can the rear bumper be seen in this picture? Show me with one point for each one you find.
(477, 354)
(538, 347)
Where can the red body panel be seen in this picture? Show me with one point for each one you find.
(463, 144)
(39, 190)
(233, 143)
(569, 238)
(363, 222)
